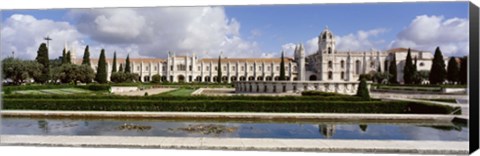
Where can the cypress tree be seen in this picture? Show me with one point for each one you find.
(120, 68)
(101, 76)
(392, 70)
(114, 65)
(464, 70)
(282, 68)
(64, 56)
(68, 60)
(437, 72)
(408, 69)
(453, 70)
(86, 57)
(127, 64)
(42, 58)
(219, 71)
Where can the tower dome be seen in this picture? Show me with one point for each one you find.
(326, 42)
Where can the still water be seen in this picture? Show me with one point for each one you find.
(235, 129)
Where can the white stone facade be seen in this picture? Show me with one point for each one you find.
(327, 65)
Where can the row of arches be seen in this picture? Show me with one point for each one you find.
(182, 78)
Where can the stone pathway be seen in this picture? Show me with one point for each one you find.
(149, 91)
(307, 145)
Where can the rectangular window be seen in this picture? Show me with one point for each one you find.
(199, 69)
(233, 68)
(278, 68)
(216, 68)
(138, 68)
(208, 68)
(224, 68)
(251, 68)
(260, 68)
(155, 68)
(171, 67)
(268, 68)
(190, 68)
(243, 68)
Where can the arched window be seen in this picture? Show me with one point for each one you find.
(330, 64)
(421, 64)
(325, 36)
(342, 75)
(357, 67)
(329, 50)
(330, 75)
(342, 64)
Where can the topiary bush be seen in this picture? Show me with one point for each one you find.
(362, 90)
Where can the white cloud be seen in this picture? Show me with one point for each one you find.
(360, 41)
(428, 32)
(24, 33)
(206, 31)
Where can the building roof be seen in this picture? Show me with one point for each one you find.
(122, 60)
(396, 50)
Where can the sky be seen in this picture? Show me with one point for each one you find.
(236, 31)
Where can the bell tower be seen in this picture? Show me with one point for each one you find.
(326, 42)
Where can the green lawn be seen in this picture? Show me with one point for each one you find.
(180, 92)
(61, 91)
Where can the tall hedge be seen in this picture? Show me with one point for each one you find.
(127, 64)
(392, 70)
(282, 68)
(408, 69)
(438, 72)
(464, 70)
(101, 76)
(42, 58)
(453, 70)
(86, 57)
(114, 65)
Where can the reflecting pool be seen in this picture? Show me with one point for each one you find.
(236, 129)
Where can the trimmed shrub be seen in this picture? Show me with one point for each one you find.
(319, 93)
(226, 106)
(156, 78)
(362, 90)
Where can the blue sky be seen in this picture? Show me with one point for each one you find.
(304, 21)
(268, 29)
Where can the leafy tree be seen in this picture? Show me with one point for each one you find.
(127, 64)
(381, 77)
(156, 78)
(101, 76)
(219, 71)
(42, 58)
(437, 72)
(464, 70)
(68, 73)
(423, 75)
(392, 70)
(120, 77)
(453, 70)
(20, 70)
(408, 69)
(282, 68)
(114, 65)
(362, 90)
(86, 57)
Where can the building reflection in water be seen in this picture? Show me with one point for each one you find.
(43, 125)
(326, 130)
